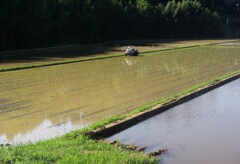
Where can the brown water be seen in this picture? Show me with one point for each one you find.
(47, 102)
(203, 130)
(86, 52)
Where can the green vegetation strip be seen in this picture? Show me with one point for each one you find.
(71, 148)
(169, 49)
(78, 147)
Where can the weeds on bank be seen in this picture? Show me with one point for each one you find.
(71, 149)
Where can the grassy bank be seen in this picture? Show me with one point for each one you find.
(78, 147)
(71, 148)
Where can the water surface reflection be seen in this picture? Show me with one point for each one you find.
(203, 130)
(45, 130)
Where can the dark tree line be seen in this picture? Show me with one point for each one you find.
(39, 23)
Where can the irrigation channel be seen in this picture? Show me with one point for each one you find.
(45, 102)
(203, 130)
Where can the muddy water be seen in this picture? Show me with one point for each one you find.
(203, 130)
(84, 52)
(46, 102)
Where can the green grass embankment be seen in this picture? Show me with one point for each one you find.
(78, 147)
(71, 148)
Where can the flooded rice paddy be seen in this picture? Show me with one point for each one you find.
(46, 102)
(203, 130)
(40, 56)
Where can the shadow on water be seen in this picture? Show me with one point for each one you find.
(72, 52)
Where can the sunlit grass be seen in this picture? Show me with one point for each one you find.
(71, 149)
